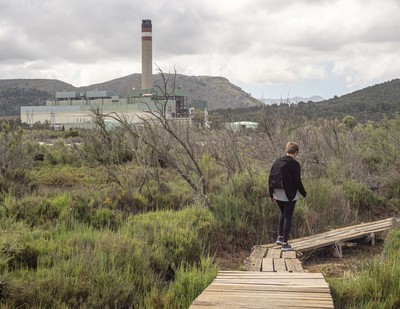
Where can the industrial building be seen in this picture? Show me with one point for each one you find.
(70, 109)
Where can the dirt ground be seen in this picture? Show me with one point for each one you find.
(353, 257)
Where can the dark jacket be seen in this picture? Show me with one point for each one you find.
(289, 177)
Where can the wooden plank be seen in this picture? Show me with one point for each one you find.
(289, 254)
(294, 265)
(262, 301)
(274, 253)
(235, 289)
(279, 265)
(258, 305)
(268, 287)
(267, 264)
(253, 262)
(343, 234)
(261, 275)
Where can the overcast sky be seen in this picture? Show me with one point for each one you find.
(270, 48)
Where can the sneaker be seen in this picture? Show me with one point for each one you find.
(279, 241)
(286, 247)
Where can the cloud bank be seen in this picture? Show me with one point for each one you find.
(267, 47)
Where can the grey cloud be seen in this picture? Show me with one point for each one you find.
(249, 39)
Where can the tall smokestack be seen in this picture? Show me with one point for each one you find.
(147, 57)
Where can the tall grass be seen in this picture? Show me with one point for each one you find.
(79, 266)
(244, 215)
(377, 285)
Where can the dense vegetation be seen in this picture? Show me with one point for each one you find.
(11, 99)
(135, 216)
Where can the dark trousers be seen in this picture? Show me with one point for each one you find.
(285, 218)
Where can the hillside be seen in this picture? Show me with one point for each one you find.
(371, 103)
(218, 91)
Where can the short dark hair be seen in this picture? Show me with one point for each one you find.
(292, 147)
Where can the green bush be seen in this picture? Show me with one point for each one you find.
(244, 215)
(190, 281)
(83, 267)
(171, 194)
(359, 196)
(61, 153)
(377, 285)
(15, 249)
(325, 207)
(41, 209)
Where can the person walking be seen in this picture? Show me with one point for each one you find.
(284, 187)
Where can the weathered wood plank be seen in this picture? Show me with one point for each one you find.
(274, 253)
(343, 234)
(294, 265)
(279, 265)
(248, 274)
(253, 262)
(267, 264)
(265, 290)
(289, 254)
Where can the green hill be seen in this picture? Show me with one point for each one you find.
(217, 91)
(371, 103)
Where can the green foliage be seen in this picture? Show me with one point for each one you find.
(15, 159)
(379, 144)
(12, 98)
(324, 200)
(61, 177)
(181, 234)
(15, 250)
(377, 285)
(61, 153)
(243, 211)
(350, 122)
(190, 281)
(171, 194)
(369, 104)
(79, 266)
(38, 209)
(359, 196)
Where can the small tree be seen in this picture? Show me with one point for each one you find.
(171, 141)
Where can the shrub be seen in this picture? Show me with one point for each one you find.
(243, 212)
(325, 207)
(360, 197)
(377, 285)
(170, 194)
(40, 209)
(15, 250)
(189, 282)
(82, 267)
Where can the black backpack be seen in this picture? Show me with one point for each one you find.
(275, 175)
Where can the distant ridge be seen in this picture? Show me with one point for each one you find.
(294, 100)
(371, 103)
(218, 91)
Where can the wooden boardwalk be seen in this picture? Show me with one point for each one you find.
(276, 279)
(243, 289)
(331, 238)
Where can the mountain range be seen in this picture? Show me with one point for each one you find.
(217, 91)
(369, 103)
(315, 98)
(373, 103)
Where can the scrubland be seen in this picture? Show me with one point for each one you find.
(136, 217)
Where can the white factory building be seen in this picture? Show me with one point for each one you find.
(71, 109)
